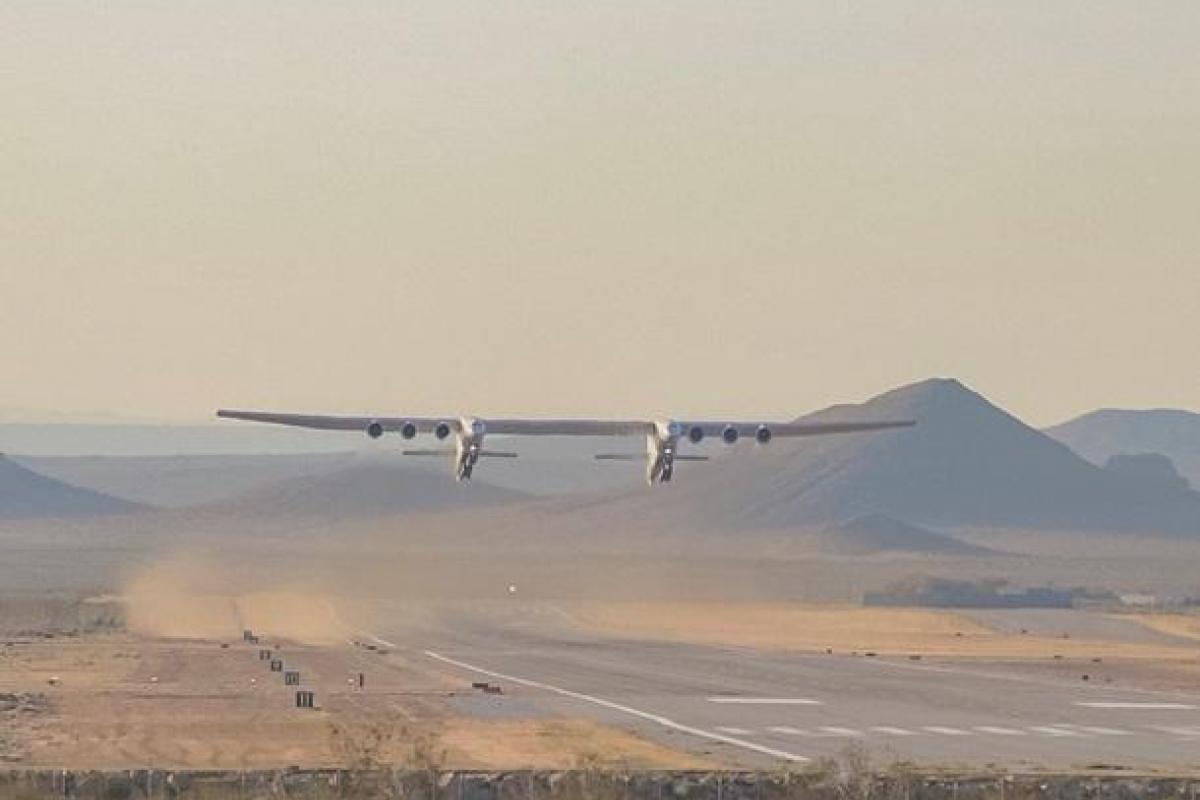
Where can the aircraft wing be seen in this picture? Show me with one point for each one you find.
(335, 423)
(787, 429)
(569, 427)
(556, 427)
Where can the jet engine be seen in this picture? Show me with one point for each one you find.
(729, 435)
(763, 434)
(408, 430)
(375, 429)
(695, 434)
(442, 430)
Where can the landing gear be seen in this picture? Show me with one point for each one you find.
(660, 459)
(468, 456)
(668, 464)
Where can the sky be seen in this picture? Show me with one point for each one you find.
(575, 208)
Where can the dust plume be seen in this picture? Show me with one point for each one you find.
(192, 597)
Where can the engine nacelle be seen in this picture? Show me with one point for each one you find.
(375, 429)
(408, 430)
(442, 430)
(729, 435)
(763, 434)
(695, 434)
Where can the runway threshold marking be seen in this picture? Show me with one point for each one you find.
(634, 712)
(1147, 706)
(766, 701)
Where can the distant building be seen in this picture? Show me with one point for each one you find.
(943, 593)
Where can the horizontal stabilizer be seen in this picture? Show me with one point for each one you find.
(641, 457)
(442, 452)
(497, 454)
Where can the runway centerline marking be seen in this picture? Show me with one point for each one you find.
(633, 712)
(834, 730)
(1147, 706)
(767, 701)
(999, 730)
(787, 730)
(888, 729)
(1099, 731)
(945, 731)
(1050, 730)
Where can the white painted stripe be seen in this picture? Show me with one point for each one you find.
(767, 701)
(1149, 706)
(733, 731)
(835, 731)
(999, 731)
(646, 715)
(1052, 731)
(1103, 731)
(892, 731)
(946, 731)
(788, 731)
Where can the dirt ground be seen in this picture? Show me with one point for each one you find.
(120, 700)
(896, 631)
(113, 698)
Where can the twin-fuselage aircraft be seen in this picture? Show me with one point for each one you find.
(662, 436)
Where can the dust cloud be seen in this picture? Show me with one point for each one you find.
(193, 597)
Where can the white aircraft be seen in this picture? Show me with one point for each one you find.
(662, 435)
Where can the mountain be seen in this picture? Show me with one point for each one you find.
(136, 439)
(1152, 469)
(174, 465)
(966, 464)
(1100, 435)
(24, 494)
(879, 533)
(370, 487)
(182, 480)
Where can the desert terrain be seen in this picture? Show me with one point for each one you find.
(717, 621)
(611, 667)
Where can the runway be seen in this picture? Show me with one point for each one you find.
(755, 708)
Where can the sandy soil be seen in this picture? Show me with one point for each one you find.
(555, 744)
(124, 700)
(846, 628)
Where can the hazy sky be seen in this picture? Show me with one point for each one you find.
(597, 208)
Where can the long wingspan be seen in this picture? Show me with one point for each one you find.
(557, 427)
(662, 437)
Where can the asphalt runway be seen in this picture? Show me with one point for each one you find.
(756, 708)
